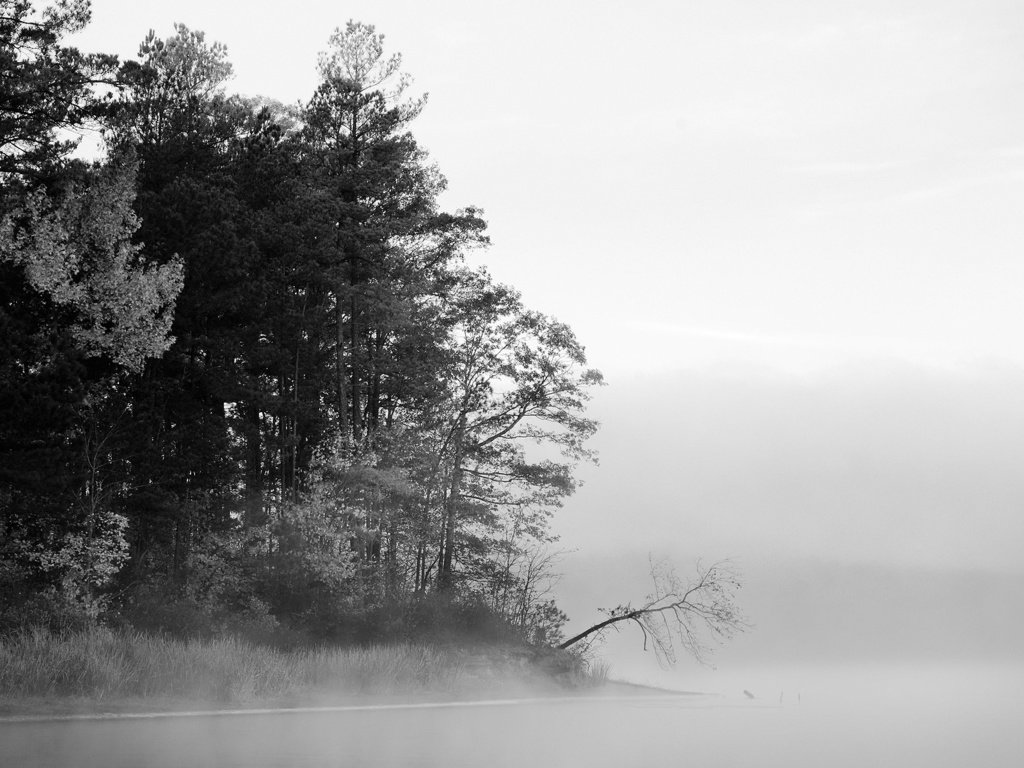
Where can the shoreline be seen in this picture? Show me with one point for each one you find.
(84, 710)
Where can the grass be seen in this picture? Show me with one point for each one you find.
(103, 664)
(99, 666)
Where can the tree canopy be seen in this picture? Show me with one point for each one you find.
(247, 377)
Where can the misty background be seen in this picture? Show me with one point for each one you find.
(872, 509)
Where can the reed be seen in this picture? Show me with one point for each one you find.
(103, 664)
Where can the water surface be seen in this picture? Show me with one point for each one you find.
(904, 716)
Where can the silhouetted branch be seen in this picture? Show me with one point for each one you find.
(697, 615)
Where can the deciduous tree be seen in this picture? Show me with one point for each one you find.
(514, 376)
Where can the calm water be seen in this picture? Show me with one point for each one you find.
(969, 715)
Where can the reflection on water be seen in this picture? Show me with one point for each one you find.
(858, 716)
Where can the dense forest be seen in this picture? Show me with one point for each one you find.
(248, 380)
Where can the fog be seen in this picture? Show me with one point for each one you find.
(818, 612)
(896, 717)
(872, 508)
(887, 463)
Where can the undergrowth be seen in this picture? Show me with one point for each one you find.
(102, 664)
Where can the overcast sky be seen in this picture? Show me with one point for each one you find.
(789, 233)
(796, 182)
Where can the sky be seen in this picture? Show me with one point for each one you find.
(789, 234)
(792, 183)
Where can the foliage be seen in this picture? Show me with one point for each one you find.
(81, 309)
(47, 89)
(78, 254)
(247, 381)
(166, 94)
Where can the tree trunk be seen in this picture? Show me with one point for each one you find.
(339, 370)
(373, 389)
(253, 466)
(444, 572)
(598, 627)
(357, 422)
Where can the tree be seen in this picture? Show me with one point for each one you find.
(46, 87)
(513, 376)
(81, 310)
(249, 340)
(387, 247)
(695, 614)
(82, 307)
(172, 114)
(79, 254)
(518, 577)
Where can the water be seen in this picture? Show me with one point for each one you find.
(934, 716)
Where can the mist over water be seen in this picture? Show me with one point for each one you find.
(872, 516)
(954, 715)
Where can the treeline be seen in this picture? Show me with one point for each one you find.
(247, 379)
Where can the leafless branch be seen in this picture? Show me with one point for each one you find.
(696, 615)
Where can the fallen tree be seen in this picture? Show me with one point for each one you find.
(696, 615)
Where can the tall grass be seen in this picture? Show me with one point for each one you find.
(103, 664)
(590, 674)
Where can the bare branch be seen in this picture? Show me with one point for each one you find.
(696, 615)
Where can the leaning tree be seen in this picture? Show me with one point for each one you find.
(696, 614)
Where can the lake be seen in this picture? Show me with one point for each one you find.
(935, 715)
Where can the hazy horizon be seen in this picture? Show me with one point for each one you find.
(893, 463)
(872, 509)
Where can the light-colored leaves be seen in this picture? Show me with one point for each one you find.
(79, 253)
